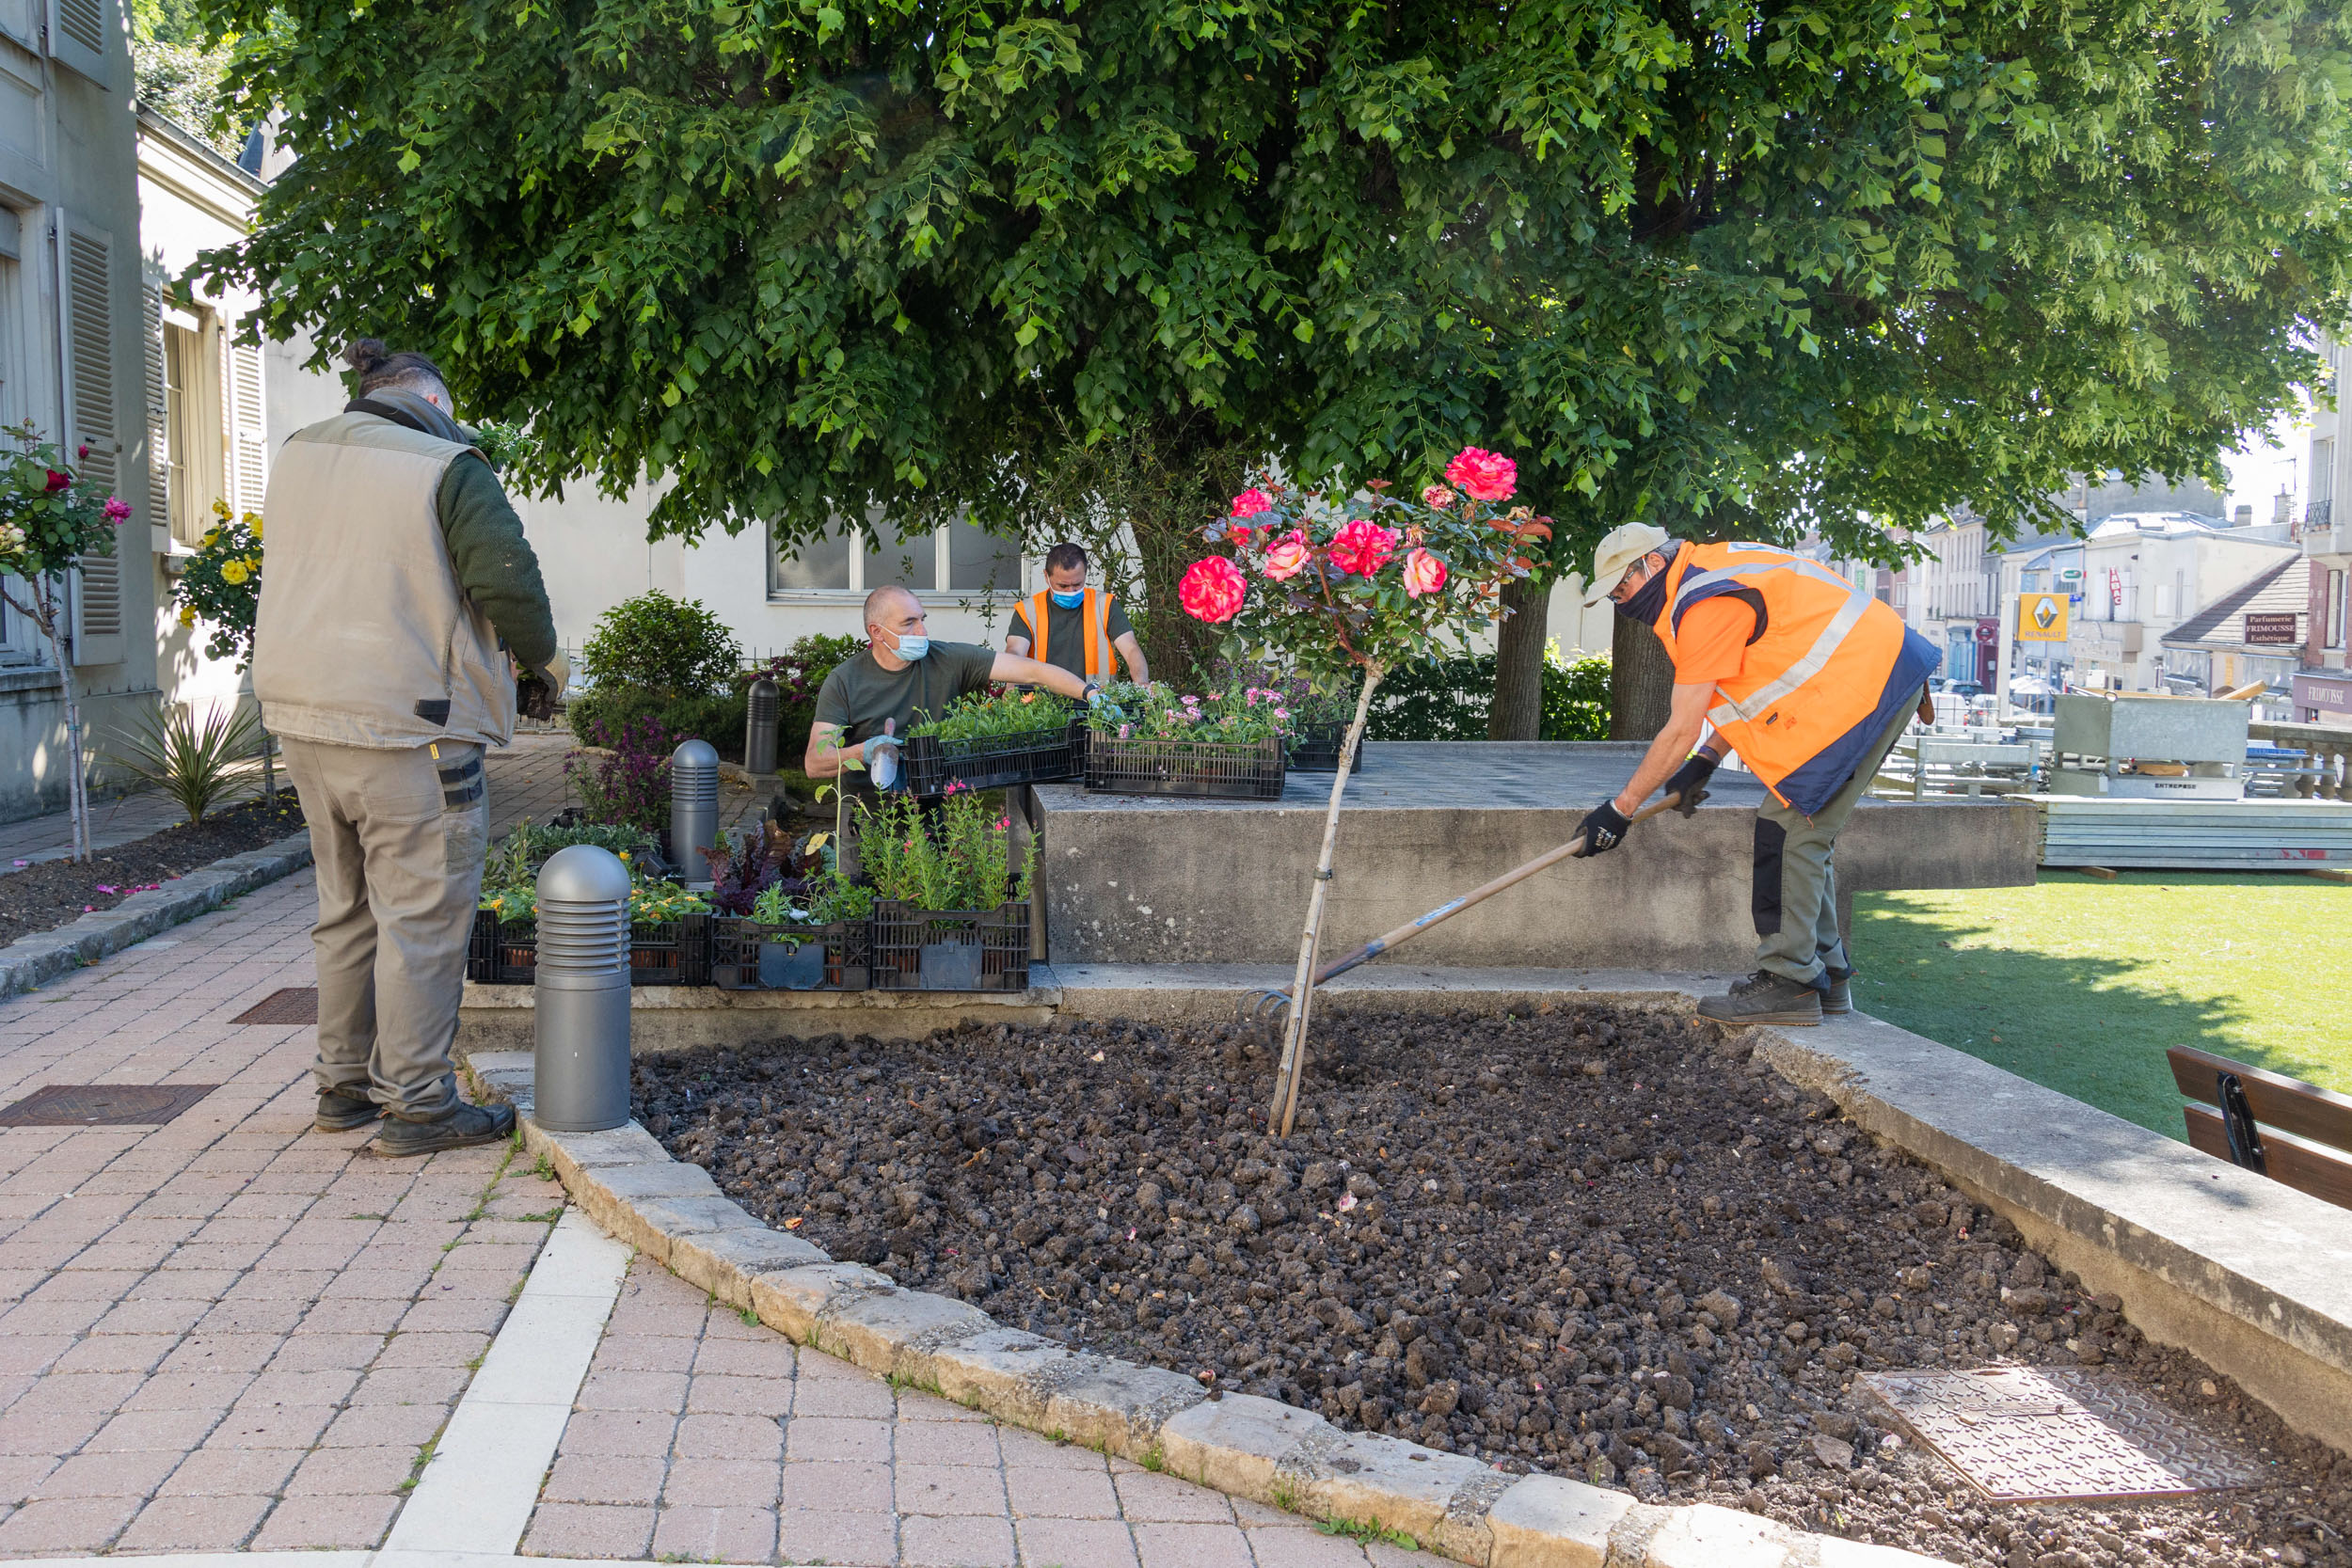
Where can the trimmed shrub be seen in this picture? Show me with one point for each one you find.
(661, 643)
(1446, 699)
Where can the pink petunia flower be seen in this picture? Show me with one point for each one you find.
(1251, 502)
(1363, 547)
(1423, 574)
(1488, 476)
(1288, 556)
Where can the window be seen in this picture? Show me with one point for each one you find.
(2322, 470)
(194, 475)
(958, 559)
(2335, 610)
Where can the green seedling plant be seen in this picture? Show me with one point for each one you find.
(1238, 715)
(956, 859)
(997, 713)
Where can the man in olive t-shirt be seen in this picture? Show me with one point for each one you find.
(903, 677)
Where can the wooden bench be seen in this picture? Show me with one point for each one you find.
(2285, 1129)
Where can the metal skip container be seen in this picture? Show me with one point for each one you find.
(693, 809)
(580, 999)
(760, 706)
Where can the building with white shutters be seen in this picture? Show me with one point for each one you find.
(71, 361)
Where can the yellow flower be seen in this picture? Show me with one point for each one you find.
(252, 563)
(256, 522)
(233, 572)
(187, 617)
(212, 537)
(220, 510)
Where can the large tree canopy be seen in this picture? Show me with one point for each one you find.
(1777, 265)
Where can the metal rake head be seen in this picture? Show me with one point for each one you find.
(1262, 1012)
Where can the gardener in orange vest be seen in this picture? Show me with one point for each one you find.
(1072, 625)
(1811, 681)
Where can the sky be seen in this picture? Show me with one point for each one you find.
(2267, 461)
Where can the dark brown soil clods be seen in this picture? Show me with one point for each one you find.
(1592, 1241)
(50, 894)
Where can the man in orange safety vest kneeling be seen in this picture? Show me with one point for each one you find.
(1811, 681)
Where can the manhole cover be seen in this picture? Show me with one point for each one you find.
(104, 1105)
(2023, 1434)
(296, 1005)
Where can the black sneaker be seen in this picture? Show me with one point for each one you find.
(1765, 997)
(461, 1126)
(1837, 990)
(340, 1112)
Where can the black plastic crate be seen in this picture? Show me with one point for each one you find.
(1044, 755)
(672, 953)
(915, 949)
(1228, 771)
(752, 955)
(1315, 748)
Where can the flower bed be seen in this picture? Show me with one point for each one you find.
(663, 953)
(918, 949)
(1590, 1241)
(758, 955)
(1230, 770)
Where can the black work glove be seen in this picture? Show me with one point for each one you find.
(1603, 828)
(1690, 781)
(533, 697)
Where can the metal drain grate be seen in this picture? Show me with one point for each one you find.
(104, 1105)
(295, 1005)
(2022, 1435)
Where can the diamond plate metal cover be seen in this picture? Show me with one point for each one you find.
(2025, 1435)
(295, 1005)
(104, 1105)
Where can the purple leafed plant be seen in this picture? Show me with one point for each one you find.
(629, 787)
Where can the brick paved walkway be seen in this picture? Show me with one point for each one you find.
(235, 1333)
(703, 1438)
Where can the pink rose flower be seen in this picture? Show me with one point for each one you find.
(1423, 574)
(1488, 476)
(1363, 547)
(1251, 502)
(1437, 495)
(1287, 555)
(1212, 589)
(118, 510)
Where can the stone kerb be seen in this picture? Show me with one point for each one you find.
(1239, 1444)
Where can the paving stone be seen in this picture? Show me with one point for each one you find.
(354, 1472)
(193, 1524)
(829, 1484)
(616, 1390)
(1552, 1522)
(314, 1523)
(582, 1530)
(1096, 1543)
(49, 1527)
(863, 1539)
(716, 1534)
(1384, 1480)
(1043, 1494)
(605, 1479)
(1706, 1536)
(707, 1482)
(727, 1260)
(946, 1442)
(791, 1300)
(969, 1541)
(231, 1472)
(720, 1394)
(1235, 1444)
(1193, 1546)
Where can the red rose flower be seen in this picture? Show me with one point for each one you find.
(1362, 548)
(57, 480)
(1488, 476)
(1213, 589)
(1251, 502)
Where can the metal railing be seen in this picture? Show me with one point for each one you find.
(2327, 770)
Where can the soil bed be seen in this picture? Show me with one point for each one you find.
(1592, 1241)
(49, 894)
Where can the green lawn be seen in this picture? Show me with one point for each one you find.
(2083, 984)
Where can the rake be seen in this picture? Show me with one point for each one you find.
(1263, 1010)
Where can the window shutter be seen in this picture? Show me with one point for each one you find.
(77, 35)
(158, 438)
(85, 274)
(248, 445)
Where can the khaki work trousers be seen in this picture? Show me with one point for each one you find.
(1794, 896)
(399, 838)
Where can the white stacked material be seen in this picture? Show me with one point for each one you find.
(2197, 836)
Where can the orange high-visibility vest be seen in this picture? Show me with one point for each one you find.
(1097, 611)
(1825, 672)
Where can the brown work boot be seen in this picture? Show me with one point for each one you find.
(461, 1126)
(342, 1111)
(1765, 997)
(1837, 992)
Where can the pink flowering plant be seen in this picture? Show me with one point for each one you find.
(1238, 713)
(1332, 582)
(49, 522)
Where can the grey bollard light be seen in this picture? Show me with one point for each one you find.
(579, 992)
(759, 726)
(693, 809)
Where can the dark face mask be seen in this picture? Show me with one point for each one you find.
(1645, 603)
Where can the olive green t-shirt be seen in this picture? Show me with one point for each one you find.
(861, 694)
(1066, 634)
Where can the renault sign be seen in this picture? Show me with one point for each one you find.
(2042, 617)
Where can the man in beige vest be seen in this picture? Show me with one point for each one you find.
(396, 584)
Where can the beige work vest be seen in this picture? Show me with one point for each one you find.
(363, 636)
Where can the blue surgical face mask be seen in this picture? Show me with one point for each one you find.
(1070, 599)
(912, 646)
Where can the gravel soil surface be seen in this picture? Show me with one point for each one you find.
(1598, 1242)
(50, 894)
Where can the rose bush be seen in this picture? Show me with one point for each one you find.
(221, 584)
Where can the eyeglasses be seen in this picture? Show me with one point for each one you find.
(1629, 584)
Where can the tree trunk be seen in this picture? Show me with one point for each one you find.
(1517, 712)
(1641, 682)
(47, 611)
